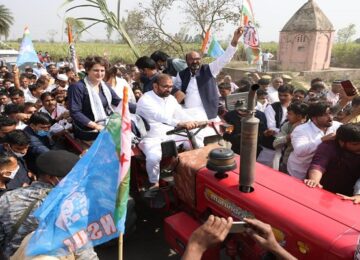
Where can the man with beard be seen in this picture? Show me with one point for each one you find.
(163, 113)
(199, 84)
(306, 138)
(335, 166)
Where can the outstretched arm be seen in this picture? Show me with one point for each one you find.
(264, 236)
(217, 65)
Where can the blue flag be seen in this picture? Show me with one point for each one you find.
(79, 212)
(211, 46)
(27, 52)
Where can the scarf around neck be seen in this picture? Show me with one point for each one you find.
(97, 107)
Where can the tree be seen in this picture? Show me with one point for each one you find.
(77, 27)
(134, 25)
(212, 14)
(6, 20)
(156, 13)
(345, 34)
(109, 18)
(202, 15)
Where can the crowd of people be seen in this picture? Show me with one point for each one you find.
(312, 135)
(302, 132)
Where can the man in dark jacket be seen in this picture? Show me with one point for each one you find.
(234, 118)
(40, 142)
(16, 143)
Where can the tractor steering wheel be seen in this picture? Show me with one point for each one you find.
(182, 131)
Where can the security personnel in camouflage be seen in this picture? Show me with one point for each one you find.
(17, 206)
(13, 204)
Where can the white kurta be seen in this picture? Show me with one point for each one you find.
(28, 96)
(162, 114)
(193, 104)
(305, 139)
(119, 89)
(270, 118)
(62, 124)
(261, 107)
(273, 94)
(267, 156)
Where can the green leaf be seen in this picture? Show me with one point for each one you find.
(79, 6)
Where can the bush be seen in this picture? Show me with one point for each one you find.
(346, 55)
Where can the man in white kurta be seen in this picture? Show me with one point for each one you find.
(272, 90)
(306, 138)
(193, 102)
(163, 113)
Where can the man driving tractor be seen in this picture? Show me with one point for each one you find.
(163, 113)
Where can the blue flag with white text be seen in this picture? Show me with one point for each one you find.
(27, 52)
(79, 212)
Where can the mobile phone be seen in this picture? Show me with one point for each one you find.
(238, 227)
(349, 88)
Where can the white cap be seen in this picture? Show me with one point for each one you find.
(62, 77)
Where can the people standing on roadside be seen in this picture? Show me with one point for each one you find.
(266, 57)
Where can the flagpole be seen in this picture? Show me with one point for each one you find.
(72, 49)
(241, 25)
(121, 246)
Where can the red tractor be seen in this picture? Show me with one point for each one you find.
(309, 223)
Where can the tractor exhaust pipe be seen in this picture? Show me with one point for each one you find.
(249, 137)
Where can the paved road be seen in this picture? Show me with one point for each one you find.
(147, 242)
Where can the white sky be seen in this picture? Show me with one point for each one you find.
(43, 16)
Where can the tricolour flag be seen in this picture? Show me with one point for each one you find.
(253, 55)
(211, 46)
(251, 36)
(123, 182)
(247, 12)
(88, 207)
(72, 49)
(27, 52)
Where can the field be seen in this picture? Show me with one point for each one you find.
(83, 49)
(346, 56)
(114, 51)
(111, 50)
